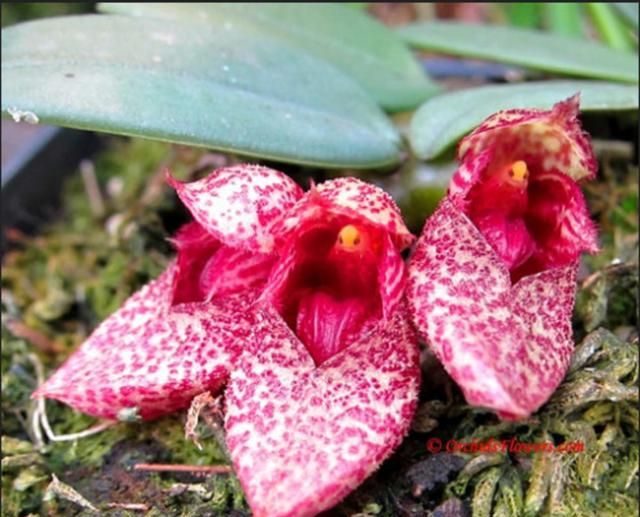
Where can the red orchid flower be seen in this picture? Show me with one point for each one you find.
(329, 384)
(492, 280)
(296, 303)
(178, 336)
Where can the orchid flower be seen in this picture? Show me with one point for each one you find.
(492, 279)
(329, 385)
(296, 304)
(178, 336)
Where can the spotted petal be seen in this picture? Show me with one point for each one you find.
(507, 346)
(391, 278)
(353, 198)
(195, 248)
(553, 139)
(238, 204)
(302, 437)
(148, 359)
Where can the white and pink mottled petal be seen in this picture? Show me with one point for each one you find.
(507, 346)
(391, 277)
(544, 304)
(558, 211)
(281, 273)
(195, 247)
(552, 139)
(150, 359)
(302, 437)
(468, 174)
(353, 198)
(239, 204)
(234, 270)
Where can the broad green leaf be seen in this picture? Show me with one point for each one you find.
(351, 40)
(442, 121)
(169, 81)
(534, 49)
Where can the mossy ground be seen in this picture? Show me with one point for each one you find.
(57, 286)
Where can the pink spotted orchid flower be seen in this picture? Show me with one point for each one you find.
(330, 385)
(492, 279)
(290, 302)
(177, 336)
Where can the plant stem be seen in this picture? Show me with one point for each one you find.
(195, 469)
(611, 29)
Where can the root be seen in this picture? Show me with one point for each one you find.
(40, 421)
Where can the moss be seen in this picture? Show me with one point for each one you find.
(18, 502)
(170, 431)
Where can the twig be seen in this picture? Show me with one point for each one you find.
(92, 188)
(41, 421)
(35, 414)
(38, 439)
(213, 419)
(42, 342)
(60, 489)
(136, 507)
(181, 488)
(157, 183)
(53, 437)
(204, 400)
(195, 469)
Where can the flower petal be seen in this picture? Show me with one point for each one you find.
(391, 278)
(300, 437)
(238, 204)
(205, 268)
(148, 359)
(468, 174)
(195, 248)
(557, 209)
(508, 347)
(529, 134)
(281, 273)
(353, 198)
(233, 270)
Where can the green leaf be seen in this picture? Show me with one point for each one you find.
(523, 14)
(534, 49)
(443, 120)
(611, 29)
(629, 10)
(357, 5)
(564, 18)
(349, 39)
(169, 81)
